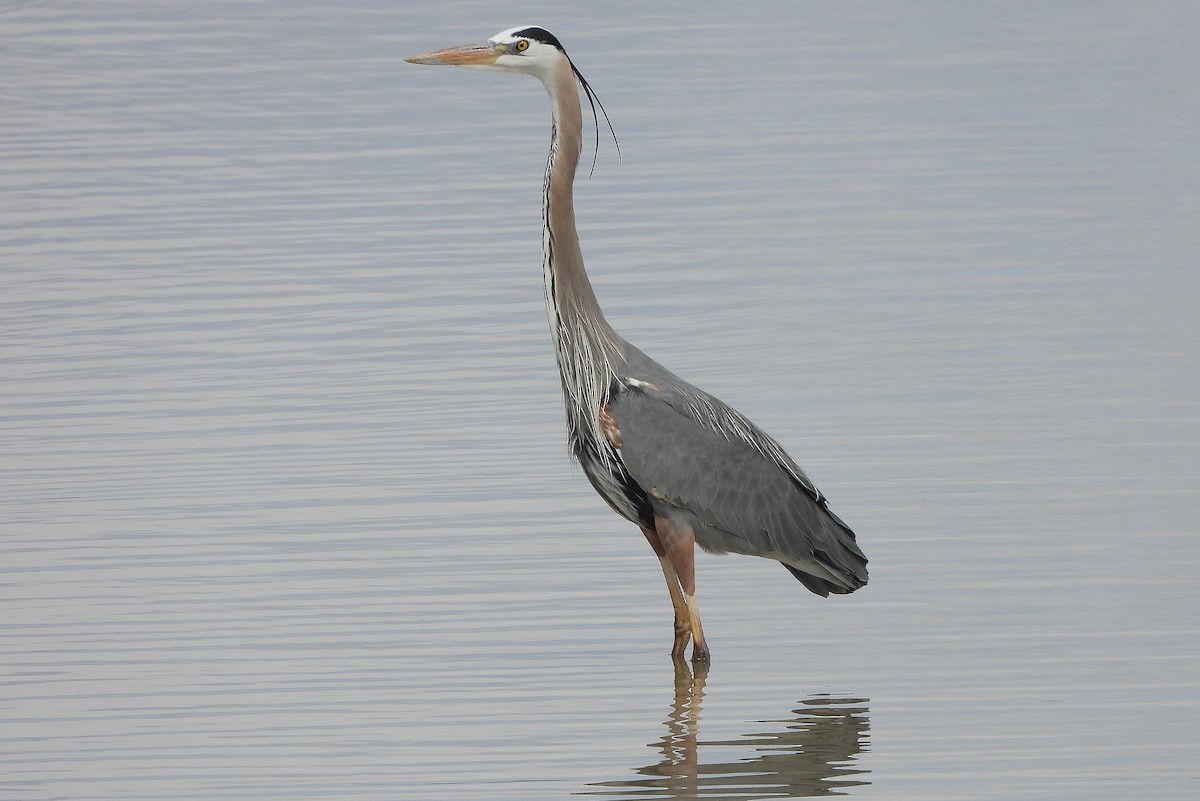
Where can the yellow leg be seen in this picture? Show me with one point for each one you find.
(683, 627)
(699, 647)
(683, 618)
(678, 543)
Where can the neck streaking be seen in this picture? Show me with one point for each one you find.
(587, 348)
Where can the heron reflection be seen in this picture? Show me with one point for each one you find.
(813, 752)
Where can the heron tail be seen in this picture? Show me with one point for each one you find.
(844, 570)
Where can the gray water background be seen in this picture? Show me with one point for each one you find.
(286, 510)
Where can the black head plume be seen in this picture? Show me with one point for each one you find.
(544, 36)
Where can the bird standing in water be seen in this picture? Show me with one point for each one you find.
(681, 465)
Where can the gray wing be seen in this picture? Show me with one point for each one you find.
(700, 458)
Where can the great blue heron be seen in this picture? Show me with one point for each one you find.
(680, 464)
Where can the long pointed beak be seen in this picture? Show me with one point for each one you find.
(462, 56)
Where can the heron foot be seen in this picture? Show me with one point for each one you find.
(683, 635)
(699, 644)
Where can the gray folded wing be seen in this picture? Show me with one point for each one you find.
(699, 459)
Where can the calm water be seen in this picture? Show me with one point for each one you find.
(286, 510)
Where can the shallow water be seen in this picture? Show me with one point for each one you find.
(286, 507)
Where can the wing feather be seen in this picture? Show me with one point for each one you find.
(687, 449)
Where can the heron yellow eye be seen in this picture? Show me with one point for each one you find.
(522, 46)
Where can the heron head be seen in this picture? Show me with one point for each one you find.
(525, 48)
(528, 49)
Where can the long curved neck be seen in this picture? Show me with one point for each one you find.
(586, 346)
